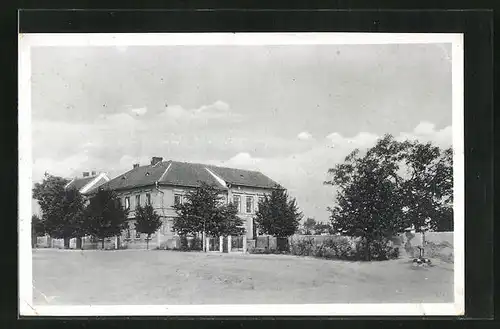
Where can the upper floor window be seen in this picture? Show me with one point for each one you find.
(127, 202)
(177, 199)
(148, 199)
(237, 202)
(137, 200)
(249, 204)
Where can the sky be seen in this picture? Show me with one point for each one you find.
(289, 111)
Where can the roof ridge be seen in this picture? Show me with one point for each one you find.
(216, 166)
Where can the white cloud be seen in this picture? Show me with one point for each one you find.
(362, 139)
(426, 132)
(304, 136)
(424, 128)
(243, 160)
(218, 110)
(140, 111)
(127, 161)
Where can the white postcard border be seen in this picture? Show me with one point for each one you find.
(26, 41)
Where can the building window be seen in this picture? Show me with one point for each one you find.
(137, 201)
(237, 202)
(148, 199)
(127, 202)
(128, 234)
(249, 204)
(177, 199)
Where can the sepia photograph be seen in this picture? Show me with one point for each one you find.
(241, 174)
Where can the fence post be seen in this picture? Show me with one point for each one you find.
(228, 243)
(221, 244)
(207, 239)
(244, 243)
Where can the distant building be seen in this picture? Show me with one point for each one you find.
(165, 183)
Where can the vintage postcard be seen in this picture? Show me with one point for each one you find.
(241, 174)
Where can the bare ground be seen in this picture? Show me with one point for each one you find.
(135, 277)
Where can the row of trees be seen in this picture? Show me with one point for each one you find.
(391, 187)
(67, 214)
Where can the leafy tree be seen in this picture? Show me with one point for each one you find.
(278, 214)
(197, 208)
(104, 216)
(428, 187)
(309, 225)
(225, 221)
(204, 210)
(393, 185)
(368, 204)
(37, 225)
(147, 221)
(62, 208)
(37, 228)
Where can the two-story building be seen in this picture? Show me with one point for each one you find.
(165, 183)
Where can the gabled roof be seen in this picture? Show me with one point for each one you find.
(79, 183)
(185, 174)
(243, 177)
(87, 184)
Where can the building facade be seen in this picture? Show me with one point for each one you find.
(166, 183)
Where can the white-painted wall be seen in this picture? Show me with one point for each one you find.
(162, 200)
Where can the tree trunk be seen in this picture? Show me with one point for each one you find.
(66, 243)
(147, 242)
(102, 241)
(367, 250)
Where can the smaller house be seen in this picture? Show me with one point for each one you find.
(88, 183)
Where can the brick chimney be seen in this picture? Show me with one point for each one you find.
(86, 174)
(136, 165)
(156, 160)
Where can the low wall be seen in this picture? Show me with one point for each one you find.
(438, 245)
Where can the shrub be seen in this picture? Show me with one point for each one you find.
(343, 249)
(266, 251)
(302, 247)
(379, 250)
